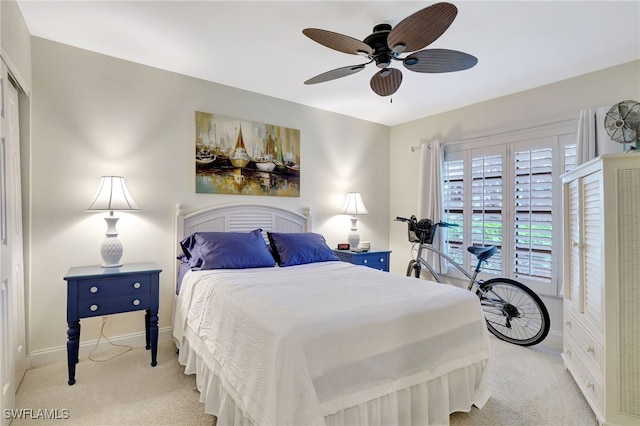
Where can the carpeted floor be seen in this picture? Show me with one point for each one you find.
(530, 387)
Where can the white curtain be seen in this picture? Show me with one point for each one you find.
(430, 191)
(586, 141)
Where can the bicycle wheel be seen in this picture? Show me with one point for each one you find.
(414, 268)
(514, 313)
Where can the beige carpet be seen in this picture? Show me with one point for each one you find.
(530, 387)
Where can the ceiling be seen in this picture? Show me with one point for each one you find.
(259, 46)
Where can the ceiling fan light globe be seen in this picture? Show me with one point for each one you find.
(399, 48)
(383, 60)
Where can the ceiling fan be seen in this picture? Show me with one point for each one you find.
(386, 44)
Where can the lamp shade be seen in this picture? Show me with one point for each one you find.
(112, 195)
(353, 205)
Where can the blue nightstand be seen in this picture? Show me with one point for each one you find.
(95, 291)
(376, 259)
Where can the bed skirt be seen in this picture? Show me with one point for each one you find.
(428, 403)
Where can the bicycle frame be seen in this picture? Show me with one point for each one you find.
(472, 277)
(494, 299)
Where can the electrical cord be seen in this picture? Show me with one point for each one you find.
(111, 343)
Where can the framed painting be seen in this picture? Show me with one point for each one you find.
(235, 156)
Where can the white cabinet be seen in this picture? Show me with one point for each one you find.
(602, 284)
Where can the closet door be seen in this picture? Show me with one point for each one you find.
(12, 295)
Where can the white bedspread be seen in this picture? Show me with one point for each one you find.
(292, 345)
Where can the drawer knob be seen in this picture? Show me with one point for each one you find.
(365, 261)
(93, 289)
(381, 260)
(591, 385)
(136, 302)
(136, 285)
(568, 323)
(93, 308)
(591, 349)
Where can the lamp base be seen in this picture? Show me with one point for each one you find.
(111, 248)
(354, 237)
(354, 240)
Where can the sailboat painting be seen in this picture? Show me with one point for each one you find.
(236, 156)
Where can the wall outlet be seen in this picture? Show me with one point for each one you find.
(106, 321)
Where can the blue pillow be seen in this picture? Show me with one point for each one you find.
(299, 248)
(227, 250)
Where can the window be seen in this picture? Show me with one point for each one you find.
(505, 191)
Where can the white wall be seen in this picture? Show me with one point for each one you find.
(547, 104)
(95, 115)
(15, 48)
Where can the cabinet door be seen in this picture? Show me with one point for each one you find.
(593, 229)
(573, 265)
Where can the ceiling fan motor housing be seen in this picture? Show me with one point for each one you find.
(382, 54)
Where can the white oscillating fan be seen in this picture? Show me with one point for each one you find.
(622, 123)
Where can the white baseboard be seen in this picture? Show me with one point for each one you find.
(59, 353)
(552, 343)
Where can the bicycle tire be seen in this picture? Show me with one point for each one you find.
(524, 320)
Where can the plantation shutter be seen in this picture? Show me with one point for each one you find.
(486, 205)
(569, 157)
(453, 195)
(533, 214)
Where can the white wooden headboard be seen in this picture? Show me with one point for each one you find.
(239, 218)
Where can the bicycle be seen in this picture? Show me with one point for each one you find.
(512, 311)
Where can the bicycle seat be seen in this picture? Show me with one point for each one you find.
(482, 253)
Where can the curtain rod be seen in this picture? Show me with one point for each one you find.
(416, 148)
(506, 132)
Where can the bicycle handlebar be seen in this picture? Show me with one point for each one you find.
(404, 219)
(414, 220)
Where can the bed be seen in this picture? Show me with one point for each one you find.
(308, 340)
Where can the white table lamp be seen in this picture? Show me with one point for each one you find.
(353, 206)
(112, 195)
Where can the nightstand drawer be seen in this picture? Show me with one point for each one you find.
(113, 305)
(372, 259)
(101, 287)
